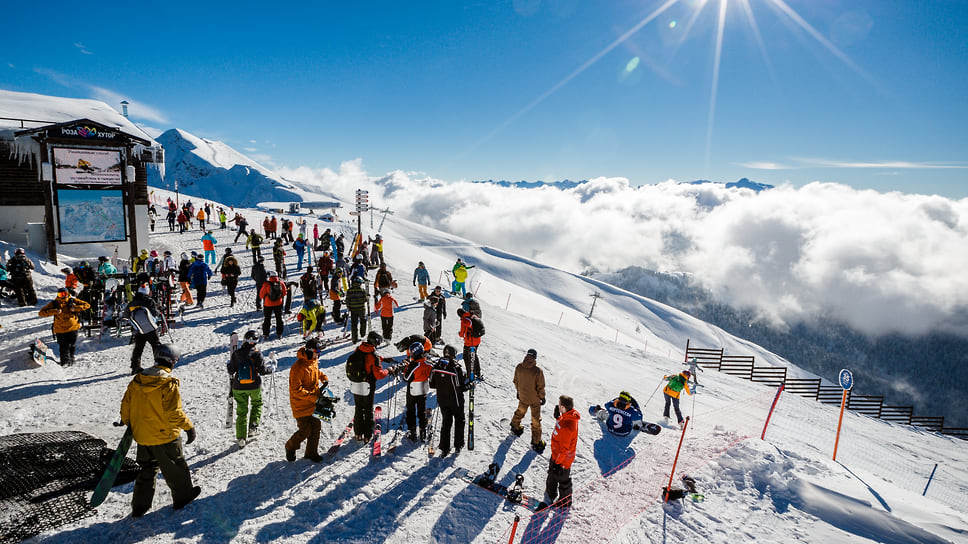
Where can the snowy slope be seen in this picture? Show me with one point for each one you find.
(213, 170)
(783, 489)
(38, 110)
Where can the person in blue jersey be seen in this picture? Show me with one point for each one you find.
(621, 415)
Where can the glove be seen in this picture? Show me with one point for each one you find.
(542, 402)
(323, 385)
(191, 436)
(517, 396)
(557, 411)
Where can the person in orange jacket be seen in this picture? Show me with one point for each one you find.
(201, 219)
(385, 305)
(272, 294)
(564, 442)
(70, 282)
(676, 385)
(472, 364)
(306, 382)
(64, 309)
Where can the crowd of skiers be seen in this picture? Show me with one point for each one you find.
(153, 409)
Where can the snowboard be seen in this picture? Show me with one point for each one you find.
(488, 480)
(377, 431)
(325, 405)
(601, 415)
(111, 472)
(41, 353)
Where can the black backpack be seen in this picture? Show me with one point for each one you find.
(477, 326)
(17, 267)
(256, 239)
(275, 291)
(356, 367)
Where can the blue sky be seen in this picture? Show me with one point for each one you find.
(867, 93)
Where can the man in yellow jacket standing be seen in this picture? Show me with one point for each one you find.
(66, 324)
(152, 407)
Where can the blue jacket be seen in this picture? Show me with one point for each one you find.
(198, 273)
(299, 245)
(421, 276)
(620, 421)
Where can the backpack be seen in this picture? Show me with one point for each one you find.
(246, 370)
(275, 291)
(676, 383)
(256, 239)
(142, 320)
(356, 367)
(17, 267)
(477, 326)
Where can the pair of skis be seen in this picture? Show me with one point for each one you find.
(233, 345)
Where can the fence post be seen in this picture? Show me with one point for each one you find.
(770, 414)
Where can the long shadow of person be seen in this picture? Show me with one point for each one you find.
(612, 451)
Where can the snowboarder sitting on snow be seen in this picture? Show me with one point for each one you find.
(363, 369)
(621, 415)
(246, 368)
(66, 323)
(448, 379)
(143, 316)
(306, 381)
(404, 345)
(152, 407)
(676, 385)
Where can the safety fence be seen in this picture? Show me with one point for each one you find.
(744, 366)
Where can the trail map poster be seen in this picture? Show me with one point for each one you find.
(91, 215)
(87, 166)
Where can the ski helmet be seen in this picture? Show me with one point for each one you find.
(144, 289)
(251, 336)
(19, 251)
(374, 338)
(468, 295)
(184, 256)
(450, 351)
(167, 354)
(686, 373)
(533, 353)
(314, 344)
(67, 270)
(154, 253)
(228, 251)
(416, 350)
(102, 259)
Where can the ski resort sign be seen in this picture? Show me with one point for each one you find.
(87, 166)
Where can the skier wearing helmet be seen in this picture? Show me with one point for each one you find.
(246, 368)
(365, 390)
(417, 374)
(676, 385)
(356, 304)
(143, 315)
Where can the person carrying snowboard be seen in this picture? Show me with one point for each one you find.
(246, 368)
(529, 383)
(306, 382)
(447, 379)
(64, 309)
(364, 369)
(143, 315)
(152, 407)
(676, 385)
(621, 415)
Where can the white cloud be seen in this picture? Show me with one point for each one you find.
(764, 165)
(882, 262)
(80, 46)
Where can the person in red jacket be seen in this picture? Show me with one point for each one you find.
(471, 344)
(272, 294)
(564, 441)
(417, 376)
(385, 305)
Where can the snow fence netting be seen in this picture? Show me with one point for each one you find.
(601, 509)
(46, 480)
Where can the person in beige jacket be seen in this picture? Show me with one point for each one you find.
(529, 383)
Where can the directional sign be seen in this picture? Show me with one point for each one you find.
(846, 379)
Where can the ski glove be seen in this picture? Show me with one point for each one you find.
(191, 436)
(542, 402)
(557, 411)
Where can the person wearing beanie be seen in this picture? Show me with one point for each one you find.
(529, 384)
(152, 409)
(306, 382)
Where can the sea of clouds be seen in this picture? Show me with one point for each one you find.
(882, 262)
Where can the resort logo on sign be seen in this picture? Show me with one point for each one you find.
(87, 133)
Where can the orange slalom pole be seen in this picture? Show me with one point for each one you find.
(840, 420)
(514, 528)
(665, 494)
(770, 414)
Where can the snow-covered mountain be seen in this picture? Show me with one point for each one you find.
(212, 170)
(881, 488)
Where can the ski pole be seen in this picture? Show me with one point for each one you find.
(653, 394)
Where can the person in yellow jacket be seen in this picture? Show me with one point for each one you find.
(306, 382)
(460, 276)
(152, 407)
(65, 308)
(676, 385)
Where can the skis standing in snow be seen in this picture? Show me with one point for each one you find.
(152, 407)
(306, 382)
(448, 380)
(529, 382)
(246, 368)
